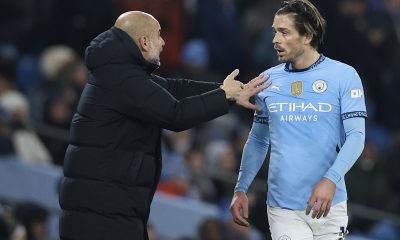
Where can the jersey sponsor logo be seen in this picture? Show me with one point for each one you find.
(258, 119)
(299, 118)
(354, 114)
(299, 107)
(319, 86)
(356, 93)
(303, 107)
(297, 88)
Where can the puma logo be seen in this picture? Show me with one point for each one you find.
(275, 88)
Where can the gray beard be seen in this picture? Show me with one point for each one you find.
(155, 62)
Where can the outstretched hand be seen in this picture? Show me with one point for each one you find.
(250, 89)
(231, 86)
(241, 93)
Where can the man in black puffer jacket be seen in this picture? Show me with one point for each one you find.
(113, 163)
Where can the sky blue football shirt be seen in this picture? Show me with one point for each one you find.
(302, 118)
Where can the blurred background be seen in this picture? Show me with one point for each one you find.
(42, 73)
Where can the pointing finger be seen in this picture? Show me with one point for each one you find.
(261, 80)
(234, 73)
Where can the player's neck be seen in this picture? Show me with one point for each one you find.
(307, 59)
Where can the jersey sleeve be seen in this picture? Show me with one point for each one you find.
(352, 96)
(351, 150)
(255, 149)
(353, 112)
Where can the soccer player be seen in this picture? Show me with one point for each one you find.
(313, 117)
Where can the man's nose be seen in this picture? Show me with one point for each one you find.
(275, 39)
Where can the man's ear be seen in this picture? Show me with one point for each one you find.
(308, 38)
(143, 43)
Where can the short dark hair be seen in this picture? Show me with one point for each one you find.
(307, 19)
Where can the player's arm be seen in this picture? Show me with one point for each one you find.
(322, 195)
(253, 156)
(351, 149)
(353, 118)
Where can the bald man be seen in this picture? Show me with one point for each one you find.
(113, 162)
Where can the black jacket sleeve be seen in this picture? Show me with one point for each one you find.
(141, 98)
(181, 88)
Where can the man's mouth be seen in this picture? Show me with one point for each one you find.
(279, 51)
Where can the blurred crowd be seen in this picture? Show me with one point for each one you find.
(42, 74)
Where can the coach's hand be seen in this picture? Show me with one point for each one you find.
(240, 209)
(250, 89)
(241, 93)
(321, 198)
(231, 86)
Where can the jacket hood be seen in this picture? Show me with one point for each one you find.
(115, 46)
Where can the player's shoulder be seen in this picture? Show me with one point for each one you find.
(344, 72)
(273, 73)
(275, 69)
(339, 66)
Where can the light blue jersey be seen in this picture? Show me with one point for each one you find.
(305, 117)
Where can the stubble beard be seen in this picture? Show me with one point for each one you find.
(290, 58)
(285, 59)
(282, 60)
(155, 61)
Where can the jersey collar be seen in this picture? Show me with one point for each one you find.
(288, 66)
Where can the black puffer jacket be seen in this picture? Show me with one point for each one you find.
(113, 163)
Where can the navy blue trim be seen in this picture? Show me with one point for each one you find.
(263, 120)
(337, 148)
(354, 114)
(288, 67)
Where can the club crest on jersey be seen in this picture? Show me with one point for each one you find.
(319, 86)
(297, 88)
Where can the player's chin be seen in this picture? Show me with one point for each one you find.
(282, 59)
